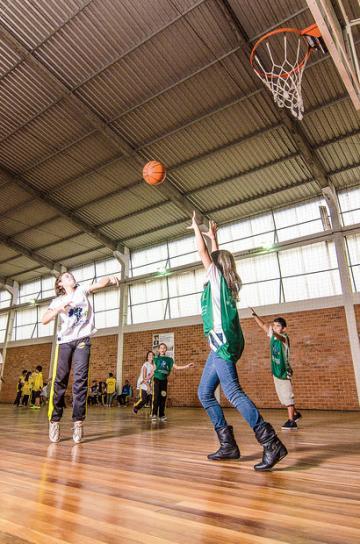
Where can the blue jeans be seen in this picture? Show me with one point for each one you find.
(218, 371)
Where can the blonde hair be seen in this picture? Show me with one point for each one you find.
(225, 262)
(59, 290)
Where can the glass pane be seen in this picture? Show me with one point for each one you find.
(107, 267)
(260, 294)
(312, 286)
(350, 206)
(24, 332)
(187, 283)
(5, 299)
(152, 290)
(148, 260)
(85, 273)
(353, 243)
(356, 277)
(183, 251)
(48, 287)
(3, 325)
(152, 311)
(108, 299)
(254, 232)
(263, 267)
(184, 306)
(45, 330)
(312, 258)
(299, 220)
(24, 317)
(106, 319)
(29, 291)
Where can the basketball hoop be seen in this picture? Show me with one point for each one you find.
(279, 59)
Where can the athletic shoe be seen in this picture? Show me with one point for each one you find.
(78, 432)
(164, 418)
(289, 425)
(297, 416)
(135, 411)
(153, 419)
(54, 431)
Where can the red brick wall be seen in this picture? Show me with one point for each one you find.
(19, 358)
(102, 361)
(320, 356)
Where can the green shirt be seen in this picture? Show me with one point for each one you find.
(232, 344)
(279, 351)
(163, 367)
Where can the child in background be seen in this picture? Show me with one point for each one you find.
(280, 366)
(126, 393)
(110, 389)
(26, 389)
(37, 385)
(144, 382)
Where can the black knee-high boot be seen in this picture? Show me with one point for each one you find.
(274, 449)
(228, 446)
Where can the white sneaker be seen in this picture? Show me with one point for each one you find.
(153, 419)
(78, 432)
(54, 431)
(164, 418)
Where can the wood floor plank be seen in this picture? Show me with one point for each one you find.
(133, 482)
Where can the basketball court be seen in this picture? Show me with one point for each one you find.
(151, 153)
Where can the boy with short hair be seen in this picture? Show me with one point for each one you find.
(280, 366)
(110, 389)
(37, 385)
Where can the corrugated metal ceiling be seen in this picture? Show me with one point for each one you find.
(173, 82)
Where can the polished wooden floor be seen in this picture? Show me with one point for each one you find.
(135, 482)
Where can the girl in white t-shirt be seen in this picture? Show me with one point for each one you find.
(76, 325)
(144, 382)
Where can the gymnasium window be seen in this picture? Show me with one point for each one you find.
(3, 325)
(148, 301)
(27, 323)
(353, 249)
(350, 206)
(37, 289)
(299, 220)
(254, 232)
(260, 277)
(309, 272)
(151, 259)
(5, 298)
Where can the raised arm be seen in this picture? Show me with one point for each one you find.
(200, 243)
(259, 321)
(103, 282)
(184, 367)
(212, 235)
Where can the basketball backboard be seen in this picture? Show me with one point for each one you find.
(339, 24)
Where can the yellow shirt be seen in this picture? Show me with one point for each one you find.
(26, 390)
(37, 381)
(110, 385)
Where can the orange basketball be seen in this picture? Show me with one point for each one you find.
(154, 172)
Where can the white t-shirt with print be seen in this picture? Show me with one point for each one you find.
(148, 371)
(214, 277)
(78, 322)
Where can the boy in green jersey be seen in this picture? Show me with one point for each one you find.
(280, 366)
(163, 368)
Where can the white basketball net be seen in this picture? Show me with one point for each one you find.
(284, 80)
